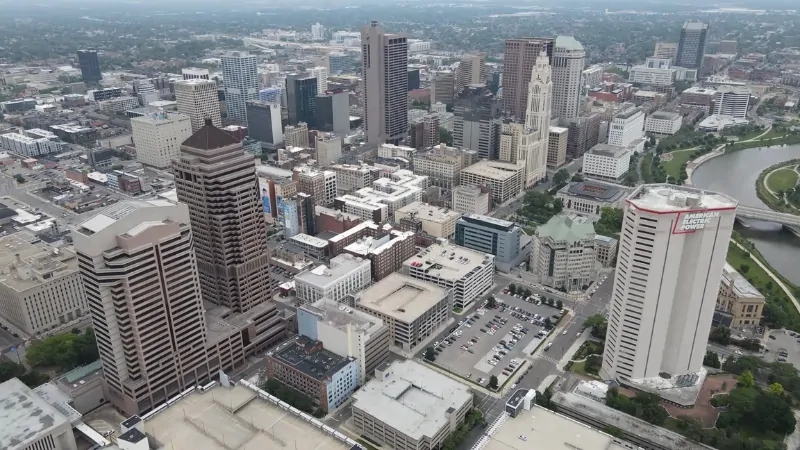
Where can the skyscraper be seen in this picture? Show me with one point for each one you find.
(471, 70)
(264, 121)
(384, 85)
(90, 66)
(240, 78)
(568, 60)
(321, 74)
(443, 87)
(672, 251)
(520, 57)
(534, 140)
(198, 99)
(476, 121)
(301, 97)
(317, 32)
(217, 180)
(140, 277)
(692, 45)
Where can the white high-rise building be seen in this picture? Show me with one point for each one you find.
(191, 73)
(321, 74)
(317, 32)
(671, 254)
(569, 59)
(158, 137)
(626, 127)
(240, 78)
(732, 101)
(198, 99)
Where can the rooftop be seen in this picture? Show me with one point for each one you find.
(24, 416)
(305, 239)
(558, 130)
(240, 419)
(726, 89)
(449, 262)
(341, 317)
(609, 151)
(429, 212)
(488, 220)
(24, 265)
(542, 428)
(699, 90)
(568, 43)
(340, 266)
(117, 211)
(401, 297)
(309, 357)
(493, 169)
(370, 245)
(665, 115)
(604, 240)
(209, 137)
(596, 190)
(567, 227)
(670, 198)
(157, 117)
(741, 286)
(412, 398)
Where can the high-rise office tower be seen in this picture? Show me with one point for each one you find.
(240, 78)
(158, 137)
(476, 121)
(140, 277)
(384, 81)
(264, 121)
(443, 87)
(217, 180)
(301, 97)
(191, 73)
(471, 70)
(671, 254)
(568, 60)
(332, 112)
(520, 57)
(271, 94)
(198, 98)
(317, 32)
(321, 74)
(692, 45)
(90, 66)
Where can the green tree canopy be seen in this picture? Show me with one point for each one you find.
(64, 351)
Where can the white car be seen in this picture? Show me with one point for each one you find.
(513, 385)
(564, 333)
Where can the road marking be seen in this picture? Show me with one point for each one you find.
(547, 358)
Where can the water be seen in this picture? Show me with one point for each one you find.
(736, 174)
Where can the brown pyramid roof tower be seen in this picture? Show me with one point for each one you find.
(209, 137)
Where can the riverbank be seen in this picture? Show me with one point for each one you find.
(767, 195)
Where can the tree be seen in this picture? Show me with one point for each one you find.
(712, 360)
(64, 351)
(775, 389)
(445, 136)
(559, 304)
(744, 268)
(9, 370)
(492, 382)
(551, 302)
(19, 178)
(548, 322)
(527, 293)
(430, 354)
(491, 303)
(560, 177)
(512, 288)
(746, 380)
(593, 363)
(610, 222)
(720, 335)
(577, 177)
(598, 324)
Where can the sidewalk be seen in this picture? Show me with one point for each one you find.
(777, 280)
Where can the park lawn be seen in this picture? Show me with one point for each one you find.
(580, 367)
(737, 257)
(773, 133)
(679, 158)
(782, 179)
(751, 135)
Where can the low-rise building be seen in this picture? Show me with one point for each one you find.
(443, 164)
(158, 137)
(313, 247)
(346, 274)
(30, 423)
(347, 332)
(40, 286)
(606, 249)
(472, 199)
(387, 194)
(732, 101)
(563, 254)
(28, 146)
(505, 179)
(350, 178)
(739, 298)
(489, 235)
(305, 365)
(413, 309)
(589, 197)
(466, 273)
(386, 249)
(436, 221)
(410, 406)
(119, 104)
(557, 146)
(606, 162)
(697, 96)
(663, 122)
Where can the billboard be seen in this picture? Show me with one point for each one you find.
(691, 221)
(263, 189)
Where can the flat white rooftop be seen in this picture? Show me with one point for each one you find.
(542, 428)
(412, 398)
(401, 297)
(428, 212)
(670, 198)
(492, 169)
(741, 286)
(340, 266)
(448, 262)
(24, 416)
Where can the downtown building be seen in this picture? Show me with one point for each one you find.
(671, 255)
(443, 164)
(563, 254)
(198, 98)
(158, 137)
(692, 45)
(90, 66)
(344, 275)
(519, 59)
(477, 121)
(240, 78)
(568, 61)
(384, 79)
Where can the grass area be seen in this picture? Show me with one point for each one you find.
(457, 310)
(363, 441)
(750, 135)
(787, 140)
(679, 158)
(782, 179)
(588, 348)
(773, 133)
(580, 367)
(647, 163)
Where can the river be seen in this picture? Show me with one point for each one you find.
(735, 174)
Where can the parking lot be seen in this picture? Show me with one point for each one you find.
(783, 346)
(495, 341)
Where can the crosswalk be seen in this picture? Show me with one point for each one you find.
(547, 358)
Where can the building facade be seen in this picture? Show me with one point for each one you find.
(436, 221)
(158, 137)
(692, 45)
(384, 79)
(519, 58)
(606, 162)
(264, 121)
(90, 66)
(672, 252)
(472, 199)
(663, 122)
(345, 275)
(568, 62)
(476, 121)
(240, 75)
(739, 298)
(198, 98)
(505, 179)
(563, 254)
(732, 101)
(557, 147)
(489, 235)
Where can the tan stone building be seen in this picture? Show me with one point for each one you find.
(739, 298)
(557, 147)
